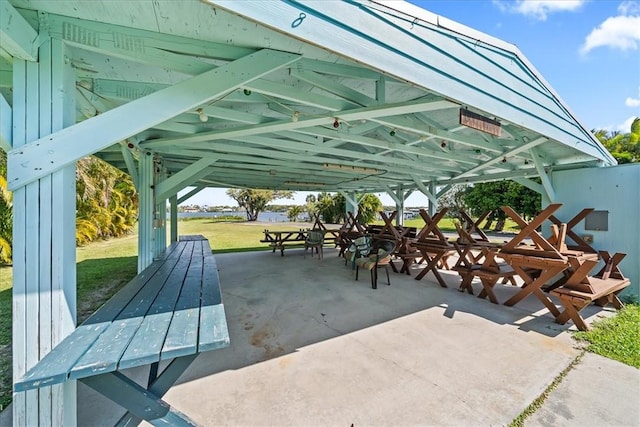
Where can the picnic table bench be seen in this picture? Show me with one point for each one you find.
(485, 265)
(171, 311)
(581, 290)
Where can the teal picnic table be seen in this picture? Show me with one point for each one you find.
(172, 311)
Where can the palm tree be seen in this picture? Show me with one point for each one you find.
(6, 222)
(625, 147)
(107, 203)
(294, 212)
(6, 213)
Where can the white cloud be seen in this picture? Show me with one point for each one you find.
(629, 8)
(626, 126)
(617, 32)
(632, 102)
(538, 9)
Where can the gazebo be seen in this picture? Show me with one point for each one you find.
(355, 96)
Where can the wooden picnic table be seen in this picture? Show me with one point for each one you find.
(580, 289)
(434, 252)
(389, 231)
(433, 246)
(282, 239)
(350, 230)
(548, 258)
(472, 227)
(484, 265)
(580, 248)
(331, 235)
(408, 255)
(401, 236)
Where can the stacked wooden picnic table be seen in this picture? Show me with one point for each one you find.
(352, 229)
(478, 257)
(557, 265)
(399, 234)
(551, 264)
(545, 264)
(432, 245)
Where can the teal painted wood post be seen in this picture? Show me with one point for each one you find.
(44, 262)
(160, 230)
(145, 214)
(351, 205)
(433, 205)
(160, 217)
(400, 207)
(173, 202)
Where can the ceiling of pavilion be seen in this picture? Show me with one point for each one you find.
(371, 104)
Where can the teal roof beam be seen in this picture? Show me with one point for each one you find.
(18, 37)
(55, 151)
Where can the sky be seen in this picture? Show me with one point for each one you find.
(587, 50)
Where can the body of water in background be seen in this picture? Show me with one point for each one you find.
(262, 216)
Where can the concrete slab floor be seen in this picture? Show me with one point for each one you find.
(312, 346)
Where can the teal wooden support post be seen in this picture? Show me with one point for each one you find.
(433, 201)
(398, 197)
(351, 204)
(430, 192)
(400, 207)
(44, 263)
(160, 216)
(173, 202)
(160, 229)
(6, 125)
(544, 177)
(145, 211)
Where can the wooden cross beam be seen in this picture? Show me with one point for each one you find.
(543, 247)
(431, 230)
(581, 245)
(472, 226)
(389, 227)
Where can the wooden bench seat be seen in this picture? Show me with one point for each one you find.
(172, 310)
(407, 259)
(602, 289)
(281, 246)
(485, 266)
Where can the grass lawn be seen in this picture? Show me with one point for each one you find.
(618, 337)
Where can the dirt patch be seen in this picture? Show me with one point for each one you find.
(263, 338)
(259, 337)
(94, 299)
